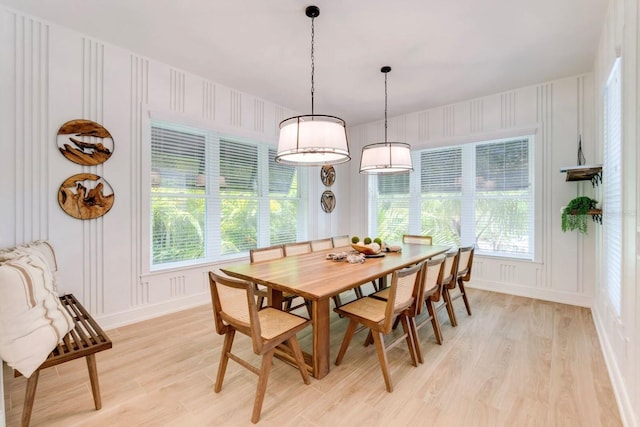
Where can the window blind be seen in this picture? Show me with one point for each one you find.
(178, 194)
(612, 186)
(503, 201)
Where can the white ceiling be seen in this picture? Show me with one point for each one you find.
(441, 51)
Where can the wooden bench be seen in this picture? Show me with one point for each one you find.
(84, 340)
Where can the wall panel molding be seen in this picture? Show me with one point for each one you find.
(258, 115)
(423, 126)
(208, 100)
(544, 116)
(139, 99)
(508, 110)
(92, 230)
(31, 106)
(235, 106)
(449, 121)
(476, 117)
(177, 90)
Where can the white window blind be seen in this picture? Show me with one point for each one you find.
(178, 194)
(392, 210)
(612, 186)
(504, 198)
(441, 194)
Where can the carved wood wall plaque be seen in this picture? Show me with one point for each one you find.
(90, 143)
(328, 201)
(85, 196)
(327, 175)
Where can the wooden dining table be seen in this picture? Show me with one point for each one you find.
(317, 279)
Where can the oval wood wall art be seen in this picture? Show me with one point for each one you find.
(328, 201)
(328, 175)
(85, 196)
(89, 144)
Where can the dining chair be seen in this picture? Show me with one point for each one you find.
(464, 275)
(449, 278)
(377, 315)
(298, 248)
(321, 244)
(417, 239)
(431, 287)
(291, 249)
(341, 241)
(235, 310)
(260, 255)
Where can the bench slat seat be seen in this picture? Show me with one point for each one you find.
(84, 340)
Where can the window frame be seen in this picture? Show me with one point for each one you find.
(212, 224)
(468, 187)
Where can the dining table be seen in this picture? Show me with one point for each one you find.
(317, 278)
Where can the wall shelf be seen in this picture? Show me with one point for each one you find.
(591, 173)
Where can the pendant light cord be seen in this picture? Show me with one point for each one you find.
(385, 107)
(313, 68)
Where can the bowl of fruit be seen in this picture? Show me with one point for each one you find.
(367, 246)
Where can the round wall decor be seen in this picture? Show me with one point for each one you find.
(85, 196)
(328, 201)
(90, 143)
(327, 175)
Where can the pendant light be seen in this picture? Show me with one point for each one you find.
(313, 139)
(386, 157)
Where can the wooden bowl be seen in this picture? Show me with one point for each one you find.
(365, 249)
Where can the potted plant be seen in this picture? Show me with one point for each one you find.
(575, 216)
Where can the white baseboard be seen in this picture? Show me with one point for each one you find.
(537, 293)
(619, 390)
(146, 312)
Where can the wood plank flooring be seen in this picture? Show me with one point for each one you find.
(515, 362)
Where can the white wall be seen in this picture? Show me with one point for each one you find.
(555, 113)
(620, 336)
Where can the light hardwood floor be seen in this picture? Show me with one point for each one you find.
(515, 362)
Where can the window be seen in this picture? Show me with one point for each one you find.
(214, 197)
(478, 193)
(612, 186)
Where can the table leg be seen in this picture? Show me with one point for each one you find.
(320, 319)
(274, 298)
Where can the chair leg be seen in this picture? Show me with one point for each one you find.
(416, 339)
(358, 292)
(307, 303)
(409, 334)
(369, 340)
(382, 358)
(30, 394)
(297, 353)
(265, 368)
(337, 301)
(435, 322)
(347, 340)
(452, 314)
(224, 358)
(395, 323)
(464, 297)
(93, 377)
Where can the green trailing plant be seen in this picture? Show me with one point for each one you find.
(575, 215)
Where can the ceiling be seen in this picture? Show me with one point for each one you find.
(440, 51)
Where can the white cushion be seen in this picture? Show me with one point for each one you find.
(32, 318)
